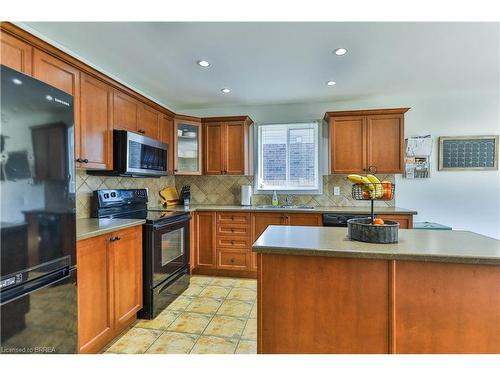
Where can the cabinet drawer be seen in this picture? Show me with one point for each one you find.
(233, 217)
(232, 260)
(233, 230)
(233, 242)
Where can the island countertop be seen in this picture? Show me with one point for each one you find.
(438, 246)
(87, 228)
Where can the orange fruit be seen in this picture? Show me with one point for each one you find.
(378, 221)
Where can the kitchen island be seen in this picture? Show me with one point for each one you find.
(432, 292)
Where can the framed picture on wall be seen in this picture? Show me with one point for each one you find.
(466, 153)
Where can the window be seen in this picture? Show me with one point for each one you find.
(287, 158)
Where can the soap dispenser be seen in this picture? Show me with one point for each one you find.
(275, 199)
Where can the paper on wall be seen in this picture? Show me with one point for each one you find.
(419, 146)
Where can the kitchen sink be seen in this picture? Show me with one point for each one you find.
(289, 207)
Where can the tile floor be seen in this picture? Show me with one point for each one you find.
(215, 315)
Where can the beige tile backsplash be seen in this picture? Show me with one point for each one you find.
(85, 184)
(223, 190)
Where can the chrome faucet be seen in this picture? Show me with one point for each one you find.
(288, 200)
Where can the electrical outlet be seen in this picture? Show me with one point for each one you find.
(336, 190)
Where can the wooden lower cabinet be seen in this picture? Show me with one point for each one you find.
(352, 305)
(405, 221)
(109, 286)
(205, 240)
(314, 220)
(223, 239)
(233, 260)
(333, 305)
(445, 308)
(126, 255)
(95, 307)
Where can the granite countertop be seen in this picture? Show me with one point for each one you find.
(418, 245)
(87, 228)
(320, 209)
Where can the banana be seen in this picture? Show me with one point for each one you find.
(379, 189)
(357, 179)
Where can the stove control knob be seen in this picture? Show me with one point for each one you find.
(106, 195)
(113, 194)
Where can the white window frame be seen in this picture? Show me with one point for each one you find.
(258, 163)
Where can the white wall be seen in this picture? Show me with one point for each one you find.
(463, 200)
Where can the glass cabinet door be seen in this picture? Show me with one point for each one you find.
(187, 147)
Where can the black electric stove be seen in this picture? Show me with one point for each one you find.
(165, 238)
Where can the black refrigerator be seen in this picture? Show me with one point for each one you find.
(38, 299)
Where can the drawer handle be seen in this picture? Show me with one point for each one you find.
(115, 238)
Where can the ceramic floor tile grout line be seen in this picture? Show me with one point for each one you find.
(211, 282)
(225, 298)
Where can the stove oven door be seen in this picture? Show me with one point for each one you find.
(170, 251)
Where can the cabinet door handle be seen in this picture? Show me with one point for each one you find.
(142, 131)
(232, 242)
(79, 160)
(85, 160)
(232, 260)
(221, 172)
(372, 169)
(114, 238)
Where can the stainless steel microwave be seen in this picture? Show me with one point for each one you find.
(137, 155)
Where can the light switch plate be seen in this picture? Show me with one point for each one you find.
(336, 190)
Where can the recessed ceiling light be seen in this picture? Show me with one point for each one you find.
(331, 83)
(17, 81)
(48, 97)
(203, 63)
(340, 51)
(225, 90)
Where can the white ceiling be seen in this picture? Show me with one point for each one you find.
(270, 63)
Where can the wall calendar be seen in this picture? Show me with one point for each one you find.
(468, 153)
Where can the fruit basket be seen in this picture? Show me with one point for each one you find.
(372, 229)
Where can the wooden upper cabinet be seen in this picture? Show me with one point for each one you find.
(125, 111)
(63, 76)
(367, 141)
(126, 255)
(15, 53)
(385, 143)
(187, 145)
(237, 148)
(348, 144)
(226, 145)
(205, 239)
(148, 121)
(95, 308)
(214, 139)
(166, 125)
(96, 131)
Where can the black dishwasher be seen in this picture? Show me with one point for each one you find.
(339, 219)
